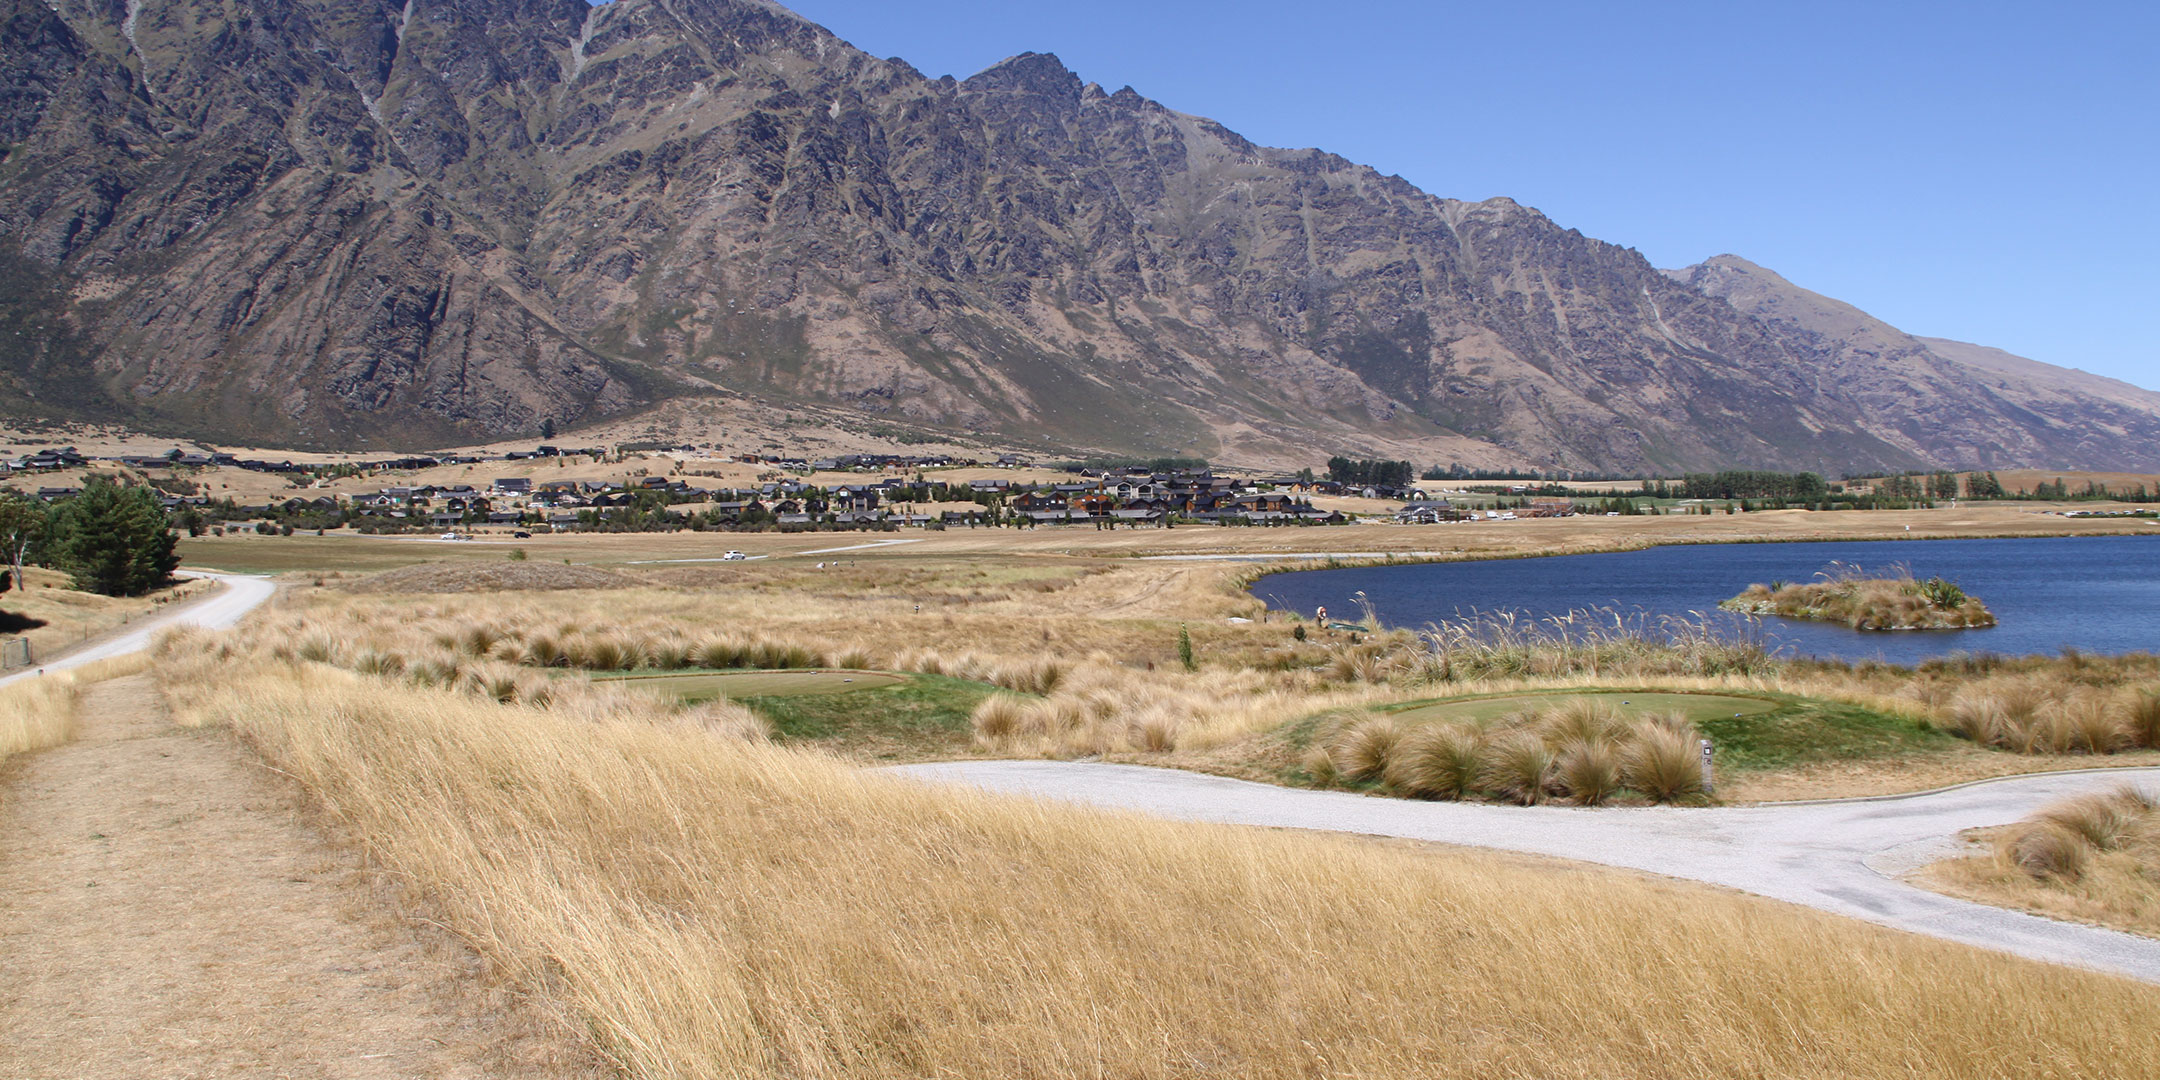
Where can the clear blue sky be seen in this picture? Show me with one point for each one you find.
(1974, 170)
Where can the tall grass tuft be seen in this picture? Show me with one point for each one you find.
(1156, 730)
(1320, 766)
(2091, 726)
(544, 651)
(376, 662)
(722, 653)
(671, 654)
(997, 718)
(2141, 718)
(1660, 761)
(1980, 718)
(2047, 850)
(2101, 820)
(1363, 749)
(1584, 720)
(1518, 765)
(1040, 675)
(1588, 770)
(478, 640)
(1437, 761)
(601, 654)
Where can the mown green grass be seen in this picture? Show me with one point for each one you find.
(1807, 731)
(695, 687)
(927, 716)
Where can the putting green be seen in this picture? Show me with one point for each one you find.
(742, 684)
(1697, 707)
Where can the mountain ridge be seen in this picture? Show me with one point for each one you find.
(362, 224)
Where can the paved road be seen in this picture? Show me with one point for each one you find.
(217, 611)
(1842, 857)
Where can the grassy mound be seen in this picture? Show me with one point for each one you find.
(506, 576)
(1895, 602)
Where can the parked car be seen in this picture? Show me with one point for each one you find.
(521, 535)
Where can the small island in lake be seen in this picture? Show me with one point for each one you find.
(1896, 602)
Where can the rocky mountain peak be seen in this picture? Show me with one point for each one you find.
(322, 223)
(1027, 73)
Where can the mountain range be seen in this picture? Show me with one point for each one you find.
(369, 223)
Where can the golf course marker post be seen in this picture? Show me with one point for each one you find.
(1708, 781)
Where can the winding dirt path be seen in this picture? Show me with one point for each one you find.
(164, 912)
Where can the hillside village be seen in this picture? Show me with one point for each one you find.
(784, 497)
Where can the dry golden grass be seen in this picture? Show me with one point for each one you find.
(40, 712)
(2092, 859)
(710, 907)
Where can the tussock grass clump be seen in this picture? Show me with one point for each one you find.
(601, 654)
(1320, 767)
(722, 653)
(1660, 760)
(544, 651)
(1156, 730)
(1040, 675)
(1364, 748)
(1585, 751)
(1437, 761)
(373, 662)
(729, 720)
(1518, 766)
(2141, 718)
(2102, 821)
(855, 658)
(669, 655)
(997, 718)
(1588, 770)
(2048, 851)
(2025, 715)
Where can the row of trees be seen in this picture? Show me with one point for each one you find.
(1370, 473)
(109, 539)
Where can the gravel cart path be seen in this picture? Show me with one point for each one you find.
(1845, 857)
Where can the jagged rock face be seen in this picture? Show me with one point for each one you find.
(353, 222)
(1950, 402)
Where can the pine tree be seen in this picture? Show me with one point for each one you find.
(114, 540)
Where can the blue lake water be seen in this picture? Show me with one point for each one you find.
(2096, 594)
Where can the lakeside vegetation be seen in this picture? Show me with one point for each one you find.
(1846, 594)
